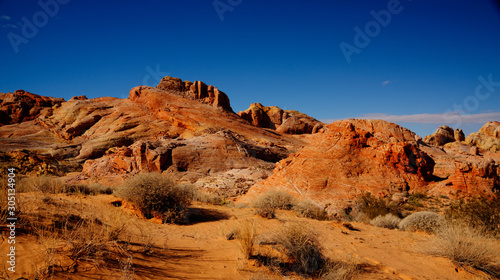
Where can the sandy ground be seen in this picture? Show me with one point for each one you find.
(200, 250)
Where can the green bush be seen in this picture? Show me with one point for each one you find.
(387, 221)
(157, 195)
(479, 212)
(428, 222)
(309, 209)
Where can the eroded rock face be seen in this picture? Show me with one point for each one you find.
(194, 160)
(154, 130)
(351, 157)
(461, 171)
(197, 91)
(283, 121)
(22, 106)
(487, 138)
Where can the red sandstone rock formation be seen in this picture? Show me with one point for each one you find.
(189, 131)
(283, 121)
(24, 106)
(197, 91)
(349, 158)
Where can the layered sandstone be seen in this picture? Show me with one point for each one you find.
(196, 91)
(349, 158)
(283, 121)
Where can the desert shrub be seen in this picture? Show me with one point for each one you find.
(309, 209)
(209, 198)
(302, 248)
(479, 212)
(86, 243)
(467, 245)
(246, 234)
(92, 189)
(267, 203)
(387, 221)
(157, 195)
(415, 199)
(373, 206)
(342, 269)
(422, 221)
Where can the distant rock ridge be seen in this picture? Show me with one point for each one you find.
(189, 131)
(19, 106)
(283, 121)
(196, 91)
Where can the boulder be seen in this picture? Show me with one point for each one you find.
(459, 135)
(444, 134)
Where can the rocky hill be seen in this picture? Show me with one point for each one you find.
(189, 130)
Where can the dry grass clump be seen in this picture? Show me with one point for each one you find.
(127, 269)
(479, 212)
(302, 249)
(470, 246)
(309, 209)
(373, 207)
(425, 221)
(209, 198)
(44, 184)
(267, 204)
(246, 234)
(52, 185)
(387, 221)
(157, 195)
(92, 189)
(74, 237)
(343, 269)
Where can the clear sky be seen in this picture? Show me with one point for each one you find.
(418, 63)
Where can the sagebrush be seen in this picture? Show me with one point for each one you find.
(372, 206)
(309, 209)
(267, 204)
(466, 245)
(302, 248)
(157, 196)
(479, 212)
(386, 221)
(429, 222)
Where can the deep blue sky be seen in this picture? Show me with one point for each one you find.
(426, 60)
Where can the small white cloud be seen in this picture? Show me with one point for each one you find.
(4, 17)
(384, 83)
(437, 118)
